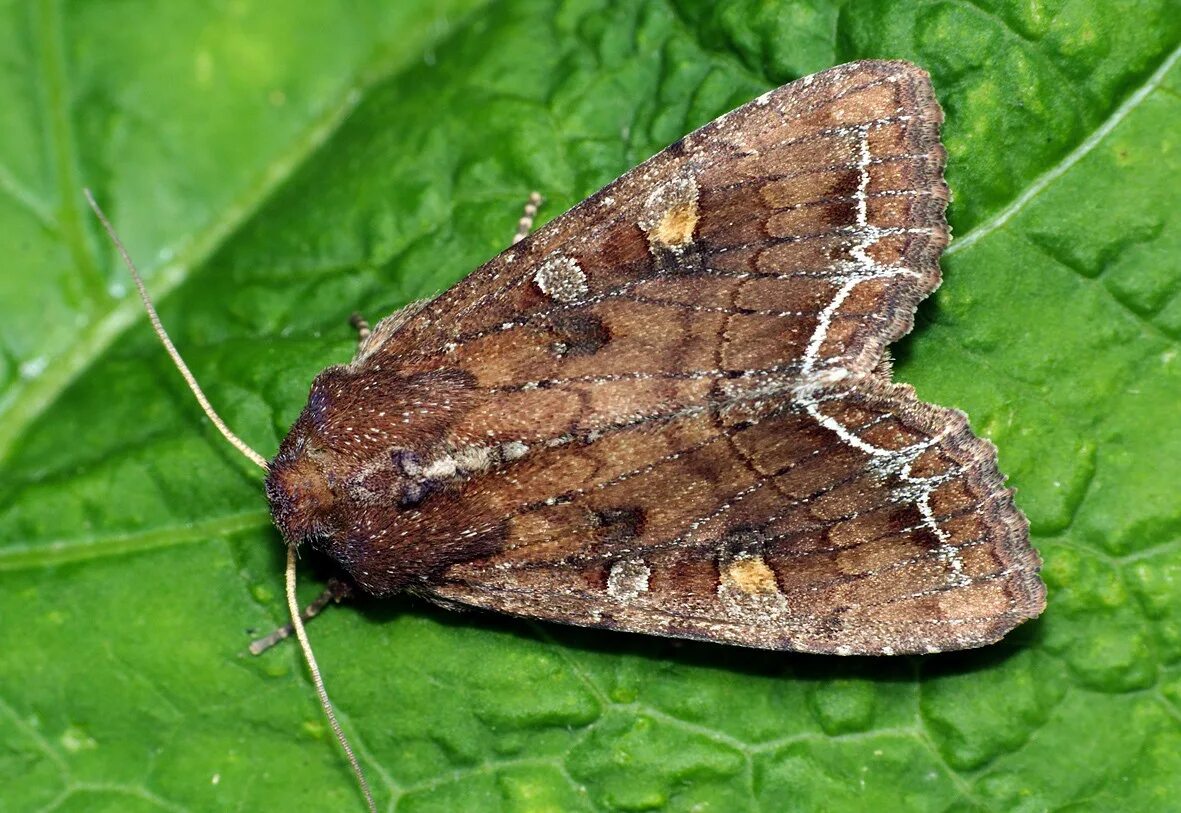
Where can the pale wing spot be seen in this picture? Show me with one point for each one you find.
(748, 591)
(513, 450)
(473, 458)
(751, 575)
(628, 579)
(440, 468)
(561, 279)
(670, 214)
(676, 227)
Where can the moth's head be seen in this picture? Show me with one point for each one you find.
(332, 440)
(299, 491)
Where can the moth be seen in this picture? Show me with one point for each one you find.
(670, 410)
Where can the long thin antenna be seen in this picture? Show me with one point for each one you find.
(302, 635)
(259, 460)
(237, 442)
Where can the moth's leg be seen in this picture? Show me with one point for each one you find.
(526, 221)
(361, 326)
(336, 592)
(368, 341)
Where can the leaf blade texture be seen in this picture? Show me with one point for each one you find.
(272, 176)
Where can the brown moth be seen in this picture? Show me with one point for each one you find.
(670, 410)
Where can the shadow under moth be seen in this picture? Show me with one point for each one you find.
(670, 410)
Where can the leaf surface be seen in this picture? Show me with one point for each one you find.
(275, 167)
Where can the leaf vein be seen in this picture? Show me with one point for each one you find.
(1067, 163)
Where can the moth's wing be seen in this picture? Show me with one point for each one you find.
(850, 522)
(792, 236)
(646, 385)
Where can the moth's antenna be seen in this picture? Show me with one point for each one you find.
(237, 442)
(318, 681)
(259, 460)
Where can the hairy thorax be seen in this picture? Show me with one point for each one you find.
(371, 449)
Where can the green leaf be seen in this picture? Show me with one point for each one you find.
(274, 167)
